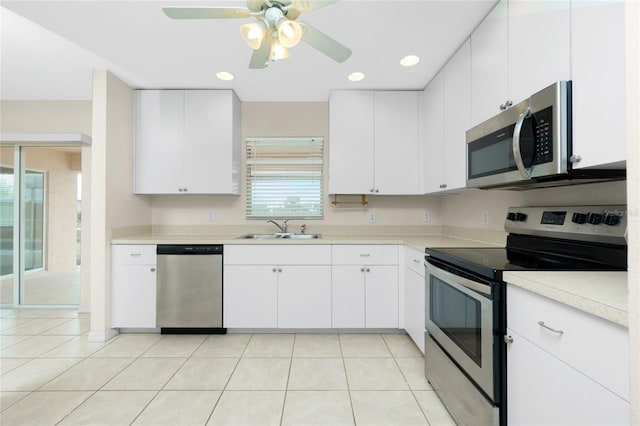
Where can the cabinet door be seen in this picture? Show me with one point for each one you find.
(539, 45)
(397, 142)
(457, 117)
(542, 390)
(250, 296)
(209, 139)
(381, 297)
(597, 68)
(433, 131)
(304, 296)
(414, 306)
(134, 296)
(351, 136)
(158, 141)
(489, 62)
(347, 296)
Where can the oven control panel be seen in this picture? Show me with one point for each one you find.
(598, 223)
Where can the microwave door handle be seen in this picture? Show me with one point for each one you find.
(517, 155)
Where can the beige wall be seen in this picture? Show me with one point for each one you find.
(45, 116)
(276, 119)
(112, 203)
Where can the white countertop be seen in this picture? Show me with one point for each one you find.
(603, 294)
(419, 242)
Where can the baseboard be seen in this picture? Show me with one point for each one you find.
(102, 336)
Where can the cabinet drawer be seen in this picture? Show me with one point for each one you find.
(414, 260)
(364, 254)
(265, 254)
(596, 347)
(124, 254)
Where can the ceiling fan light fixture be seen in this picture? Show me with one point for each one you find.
(253, 34)
(278, 51)
(409, 60)
(289, 32)
(356, 76)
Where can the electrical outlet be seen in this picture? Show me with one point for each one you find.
(426, 216)
(372, 217)
(213, 216)
(485, 217)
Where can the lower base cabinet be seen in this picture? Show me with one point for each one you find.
(250, 297)
(133, 286)
(304, 297)
(564, 366)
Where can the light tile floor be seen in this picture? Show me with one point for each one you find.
(51, 375)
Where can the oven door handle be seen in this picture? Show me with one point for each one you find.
(457, 279)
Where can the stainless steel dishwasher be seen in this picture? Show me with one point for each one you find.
(189, 289)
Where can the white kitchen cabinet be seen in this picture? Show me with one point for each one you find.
(539, 45)
(187, 142)
(374, 142)
(489, 64)
(304, 296)
(414, 301)
(433, 135)
(446, 118)
(365, 286)
(277, 286)
(133, 286)
(250, 296)
(598, 75)
(521, 47)
(351, 136)
(578, 374)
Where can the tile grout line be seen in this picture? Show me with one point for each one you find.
(344, 366)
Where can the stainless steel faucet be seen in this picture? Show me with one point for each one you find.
(283, 227)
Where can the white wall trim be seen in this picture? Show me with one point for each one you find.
(103, 336)
(84, 309)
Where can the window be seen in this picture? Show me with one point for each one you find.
(284, 178)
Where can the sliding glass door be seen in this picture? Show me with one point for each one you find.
(39, 237)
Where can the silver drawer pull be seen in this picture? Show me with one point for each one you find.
(542, 324)
(135, 254)
(153, 269)
(364, 255)
(417, 260)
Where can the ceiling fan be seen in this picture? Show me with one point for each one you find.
(275, 30)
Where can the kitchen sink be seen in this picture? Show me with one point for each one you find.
(279, 236)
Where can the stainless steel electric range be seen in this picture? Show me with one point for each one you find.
(465, 321)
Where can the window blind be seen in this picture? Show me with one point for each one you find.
(284, 178)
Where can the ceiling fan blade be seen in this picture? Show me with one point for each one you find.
(174, 12)
(260, 57)
(300, 6)
(325, 44)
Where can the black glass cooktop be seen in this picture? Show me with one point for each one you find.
(490, 262)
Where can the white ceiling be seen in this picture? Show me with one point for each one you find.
(48, 48)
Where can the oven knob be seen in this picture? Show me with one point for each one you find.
(611, 219)
(594, 218)
(520, 217)
(511, 216)
(579, 218)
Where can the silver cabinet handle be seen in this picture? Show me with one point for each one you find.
(517, 155)
(135, 254)
(365, 254)
(274, 269)
(153, 269)
(508, 339)
(361, 269)
(506, 105)
(279, 269)
(543, 325)
(417, 260)
(368, 270)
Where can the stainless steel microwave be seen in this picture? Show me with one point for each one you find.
(529, 145)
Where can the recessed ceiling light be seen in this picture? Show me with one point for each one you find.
(409, 60)
(356, 76)
(226, 76)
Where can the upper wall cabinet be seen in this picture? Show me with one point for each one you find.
(446, 117)
(598, 74)
(187, 142)
(374, 142)
(521, 47)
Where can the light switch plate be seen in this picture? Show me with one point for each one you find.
(213, 216)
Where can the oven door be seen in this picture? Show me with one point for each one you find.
(459, 316)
